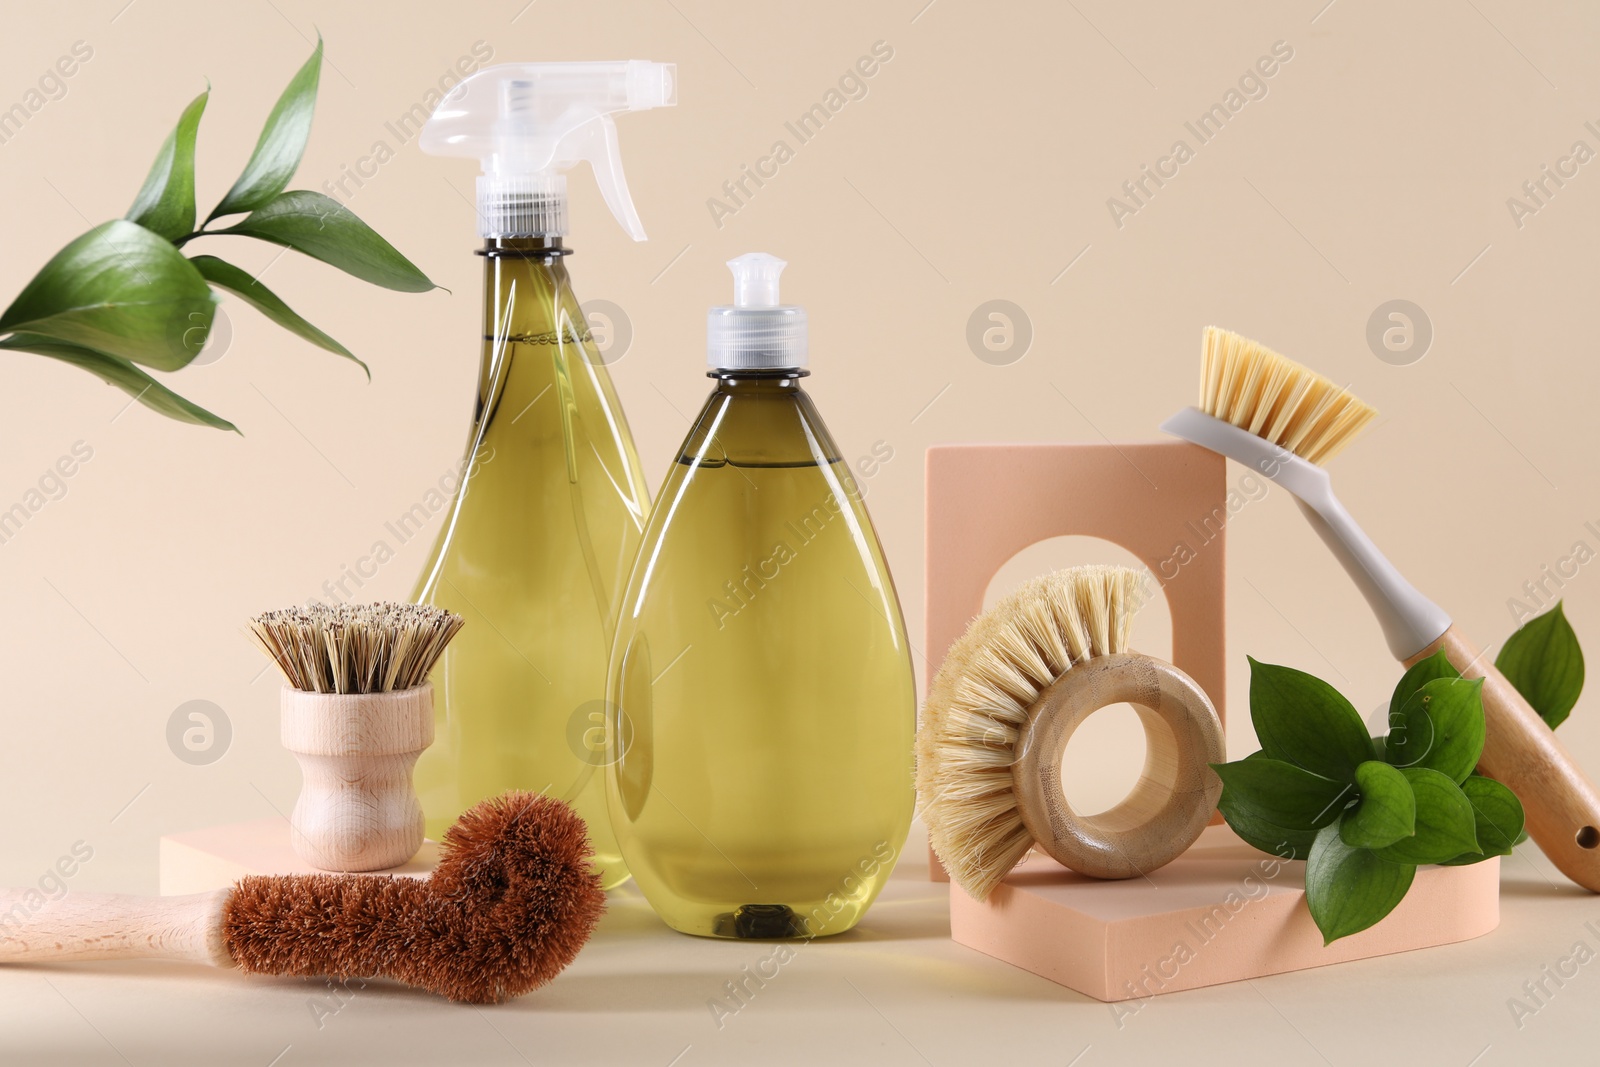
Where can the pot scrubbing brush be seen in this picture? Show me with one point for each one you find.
(1005, 702)
(1283, 420)
(356, 712)
(510, 904)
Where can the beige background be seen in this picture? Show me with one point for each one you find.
(977, 167)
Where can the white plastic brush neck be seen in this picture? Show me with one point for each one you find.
(1411, 622)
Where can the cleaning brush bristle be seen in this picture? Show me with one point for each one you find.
(355, 648)
(978, 706)
(1275, 398)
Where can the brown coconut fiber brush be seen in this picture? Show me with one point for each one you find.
(1004, 704)
(510, 904)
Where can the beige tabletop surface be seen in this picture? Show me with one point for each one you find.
(896, 990)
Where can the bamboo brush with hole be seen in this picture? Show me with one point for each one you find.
(512, 901)
(1279, 418)
(357, 711)
(1004, 704)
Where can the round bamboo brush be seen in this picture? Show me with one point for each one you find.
(357, 711)
(1282, 419)
(510, 904)
(1002, 708)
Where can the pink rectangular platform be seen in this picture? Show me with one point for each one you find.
(1219, 913)
(218, 856)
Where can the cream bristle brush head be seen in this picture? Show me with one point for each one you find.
(1004, 703)
(1252, 387)
(1281, 419)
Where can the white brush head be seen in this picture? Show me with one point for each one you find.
(1254, 388)
(978, 705)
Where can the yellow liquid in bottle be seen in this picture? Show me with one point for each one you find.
(534, 552)
(761, 783)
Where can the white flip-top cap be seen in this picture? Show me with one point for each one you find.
(530, 122)
(756, 332)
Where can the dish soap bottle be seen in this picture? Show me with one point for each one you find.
(550, 504)
(760, 754)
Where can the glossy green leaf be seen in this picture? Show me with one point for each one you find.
(1282, 794)
(1440, 726)
(238, 281)
(325, 229)
(1418, 675)
(1276, 840)
(1446, 825)
(165, 203)
(1303, 720)
(1351, 889)
(1499, 817)
(282, 143)
(122, 291)
(1544, 662)
(122, 374)
(1386, 812)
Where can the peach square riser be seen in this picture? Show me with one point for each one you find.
(1222, 912)
(217, 856)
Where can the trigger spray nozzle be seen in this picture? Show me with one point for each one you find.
(529, 123)
(756, 332)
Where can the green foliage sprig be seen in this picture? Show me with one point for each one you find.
(1363, 811)
(122, 296)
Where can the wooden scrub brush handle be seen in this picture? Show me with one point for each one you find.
(111, 926)
(1177, 791)
(1523, 753)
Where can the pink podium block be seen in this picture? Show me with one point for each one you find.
(1221, 912)
(218, 856)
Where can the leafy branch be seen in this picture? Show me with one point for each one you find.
(1364, 812)
(123, 296)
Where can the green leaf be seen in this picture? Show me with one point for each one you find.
(1543, 661)
(1499, 817)
(1351, 889)
(1446, 826)
(1418, 675)
(238, 281)
(1387, 811)
(122, 291)
(325, 229)
(165, 203)
(282, 143)
(122, 374)
(1279, 841)
(1303, 720)
(1441, 726)
(1283, 794)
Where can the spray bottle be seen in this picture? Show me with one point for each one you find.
(761, 686)
(548, 511)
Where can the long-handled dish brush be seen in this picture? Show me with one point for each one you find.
(1005, 702)
(1281, 419)
(510, 904)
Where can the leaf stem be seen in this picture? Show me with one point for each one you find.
(186, 238)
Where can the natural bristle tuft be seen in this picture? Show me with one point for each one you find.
(1254, 388)
(978, 705)
(355, 648)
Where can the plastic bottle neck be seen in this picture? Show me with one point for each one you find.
(786, 379)
(524, 248)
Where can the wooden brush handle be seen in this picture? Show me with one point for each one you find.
(358, 810)
(110, 926)
(1521, 752)
(1176, 794)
